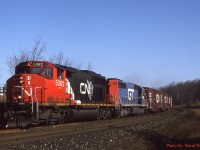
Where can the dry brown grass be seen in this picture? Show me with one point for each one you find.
(185, 130)
(196, 112)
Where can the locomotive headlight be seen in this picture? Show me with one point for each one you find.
(21, 79)
(28, 78)
(149, 94)
(19, 97)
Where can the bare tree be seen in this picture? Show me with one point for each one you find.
(184, 92)
(38, 49)
(59, 59)
(14, 60)
(36, 53)
(79, 66)
(68, 62)
(89, 66)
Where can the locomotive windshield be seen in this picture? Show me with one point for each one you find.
(36, 70)
(47, 72)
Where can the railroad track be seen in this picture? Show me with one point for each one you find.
(20, 136)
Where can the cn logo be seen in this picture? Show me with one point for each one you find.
(87, 88)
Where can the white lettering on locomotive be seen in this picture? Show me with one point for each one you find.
(59, 83)
(37, 64)
(130, 94)
(69, 89)
(87, 88)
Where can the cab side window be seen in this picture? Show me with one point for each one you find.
(48, 72)
(60, 74)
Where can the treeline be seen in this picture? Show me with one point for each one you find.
(184, 93)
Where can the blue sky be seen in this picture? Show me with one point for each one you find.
(148, 42)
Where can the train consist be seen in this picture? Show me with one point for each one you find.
(44, 93)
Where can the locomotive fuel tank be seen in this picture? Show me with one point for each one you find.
(82, 115)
